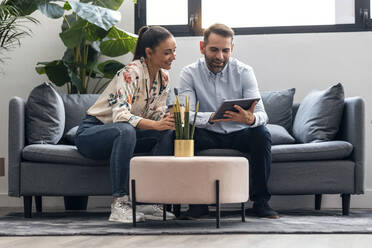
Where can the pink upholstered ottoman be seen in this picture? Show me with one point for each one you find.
(189, 180)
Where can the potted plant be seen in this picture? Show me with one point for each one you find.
(184, 142)
(88, 30)
(12, 27)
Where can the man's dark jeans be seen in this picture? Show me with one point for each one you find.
(118, 142)
(254, 141)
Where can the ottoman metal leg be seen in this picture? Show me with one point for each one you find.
(164, 212)
(218, 214)
(134, 202)
(243, 212)
(177, 210)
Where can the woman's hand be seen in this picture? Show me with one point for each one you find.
(166, 123)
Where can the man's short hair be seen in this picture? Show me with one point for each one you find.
(220, 29)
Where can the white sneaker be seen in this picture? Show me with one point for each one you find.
(154, 212)
(122, 211)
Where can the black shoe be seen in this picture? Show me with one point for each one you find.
(262, 209)
(195, 212)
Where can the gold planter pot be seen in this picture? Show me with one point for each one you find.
(183, 148)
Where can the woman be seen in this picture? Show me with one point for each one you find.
(130, 114)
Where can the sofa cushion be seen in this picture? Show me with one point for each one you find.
(312, 151)
(319, 115)
(45, 115)
(64, 154)
(76, 106)
(278, 106)
(279, 135)
(330, 150)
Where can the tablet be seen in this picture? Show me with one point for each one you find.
(229, 105)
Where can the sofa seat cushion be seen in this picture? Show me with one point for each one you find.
(312, 151)
(63, 154)
(330, 150)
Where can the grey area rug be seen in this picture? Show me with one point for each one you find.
(96, 223)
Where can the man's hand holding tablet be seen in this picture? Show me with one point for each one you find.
(238, 110)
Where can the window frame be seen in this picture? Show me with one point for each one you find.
(194, 27)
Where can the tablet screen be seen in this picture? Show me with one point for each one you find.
(229, 105)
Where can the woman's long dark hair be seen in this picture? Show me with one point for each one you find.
(149, 37)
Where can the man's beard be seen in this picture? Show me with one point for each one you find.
(215, 68)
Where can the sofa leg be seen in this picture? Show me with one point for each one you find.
(345, 204)
(76, 202)
(38, 203)
(27, 206)
(318, 201)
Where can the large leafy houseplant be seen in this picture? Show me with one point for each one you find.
(88, 31)
(12, 27)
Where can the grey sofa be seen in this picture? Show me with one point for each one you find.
(335, 167)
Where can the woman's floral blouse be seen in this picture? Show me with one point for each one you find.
(125, 98)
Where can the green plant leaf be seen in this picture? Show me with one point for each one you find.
(51, 10)
(92, 62)
(110, 4)
(118, 42)
(26, 7)
(102, 17)
(68, 20)
(67, 6)
(96, 45)
(56, 72)
(109, 68)
(94, 33)
(76, 81)
(74, 35)
(68, 56)
(40, 69)
(93, 54)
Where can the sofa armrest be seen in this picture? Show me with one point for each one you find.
(352, 131)
(16, 143)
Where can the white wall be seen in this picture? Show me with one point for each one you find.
(303, 61)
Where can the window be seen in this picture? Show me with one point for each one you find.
(270, 13)
(189, 17)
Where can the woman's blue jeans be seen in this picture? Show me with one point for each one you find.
(118, 142)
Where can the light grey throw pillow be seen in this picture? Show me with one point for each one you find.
(278, 106)
(45, 115)
(319, 115)
(279, 135)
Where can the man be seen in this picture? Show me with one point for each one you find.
(216, 78)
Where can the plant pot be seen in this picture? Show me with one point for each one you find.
(183, 148)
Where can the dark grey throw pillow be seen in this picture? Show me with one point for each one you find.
(45, 115)
(76, 106)
(319, 115)
(279, 135)
(278, 106)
